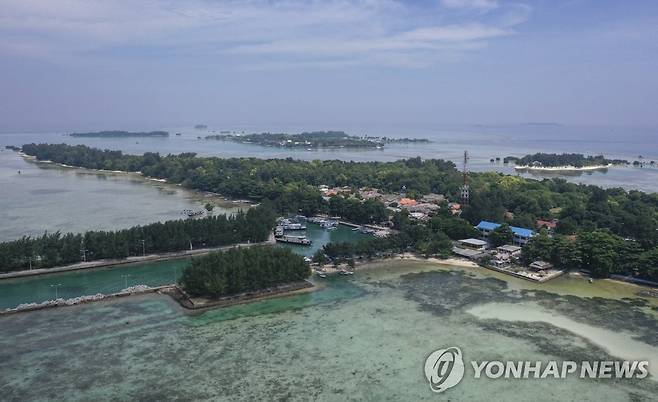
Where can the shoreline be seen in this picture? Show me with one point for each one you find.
(203, 304)
(126, 261)
(229, 202)
(567, 168)
(178, 295)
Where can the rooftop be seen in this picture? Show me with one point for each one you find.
(509, 248)
(474, 242)
(522, 232)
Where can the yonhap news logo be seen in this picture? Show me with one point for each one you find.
(444, 368)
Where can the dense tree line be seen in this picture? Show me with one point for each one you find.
(243, 269)
(357, 211)
(315, 139)
(559, 160)
(599, 252)
(291, 185)
(55, 249)
(427, 240)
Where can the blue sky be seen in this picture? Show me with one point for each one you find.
(92, 64)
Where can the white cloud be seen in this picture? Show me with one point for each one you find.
(471, 4)
(317, 33)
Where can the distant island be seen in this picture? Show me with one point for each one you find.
(121, 134)
(315, 139)
(201, 127)
(545, 161)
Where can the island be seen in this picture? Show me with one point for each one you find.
(121, 134)
(315, 139)
(201, 127)
(259, 269)
(567, 225)
(563, 162)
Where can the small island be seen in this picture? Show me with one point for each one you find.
(562, 162)
(121, 134)
(316, 139)
(201, 127)
(244, 272)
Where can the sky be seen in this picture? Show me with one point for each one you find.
(124, 64)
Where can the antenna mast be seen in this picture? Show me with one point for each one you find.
(465, 193)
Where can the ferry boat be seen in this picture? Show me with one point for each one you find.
(301, 240)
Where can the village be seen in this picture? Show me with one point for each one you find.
(505, 258)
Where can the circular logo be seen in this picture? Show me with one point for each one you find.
(444, 368)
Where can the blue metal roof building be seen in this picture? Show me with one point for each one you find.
(521, 235)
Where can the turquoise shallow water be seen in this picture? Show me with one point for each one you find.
(113, 279)
(362, 338)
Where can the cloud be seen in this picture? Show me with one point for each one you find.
(244, 32)
(471, 4)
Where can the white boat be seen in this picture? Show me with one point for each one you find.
(328, 224)
(278, 231)
(301, 240)
(293, 226)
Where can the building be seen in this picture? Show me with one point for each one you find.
(550, 225)
(521, 235)
(540, 266)
(433, 198)
(454, 208)
(423, 207)
(509, 251)
(470, 248)
(474, 244)
(407, 202)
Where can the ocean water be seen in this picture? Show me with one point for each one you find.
(359, 338)
(45, 197)
(108, 280)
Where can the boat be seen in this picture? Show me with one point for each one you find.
(278, 231)
(293, 226)
(191, 213)
(321, 274)
(366, 230)
(301, 240)
(345, 272)
(328, 224)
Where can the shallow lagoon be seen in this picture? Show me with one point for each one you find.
(362, 338)
(108, 280)
(48, 197)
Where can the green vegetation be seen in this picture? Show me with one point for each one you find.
(561, 160)
(243, 269)
(291, 186)
(598, 252)
(55, 249)
(428, 240)
(353, 210)
(121, 134)
(316, 139)
(501, 235)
